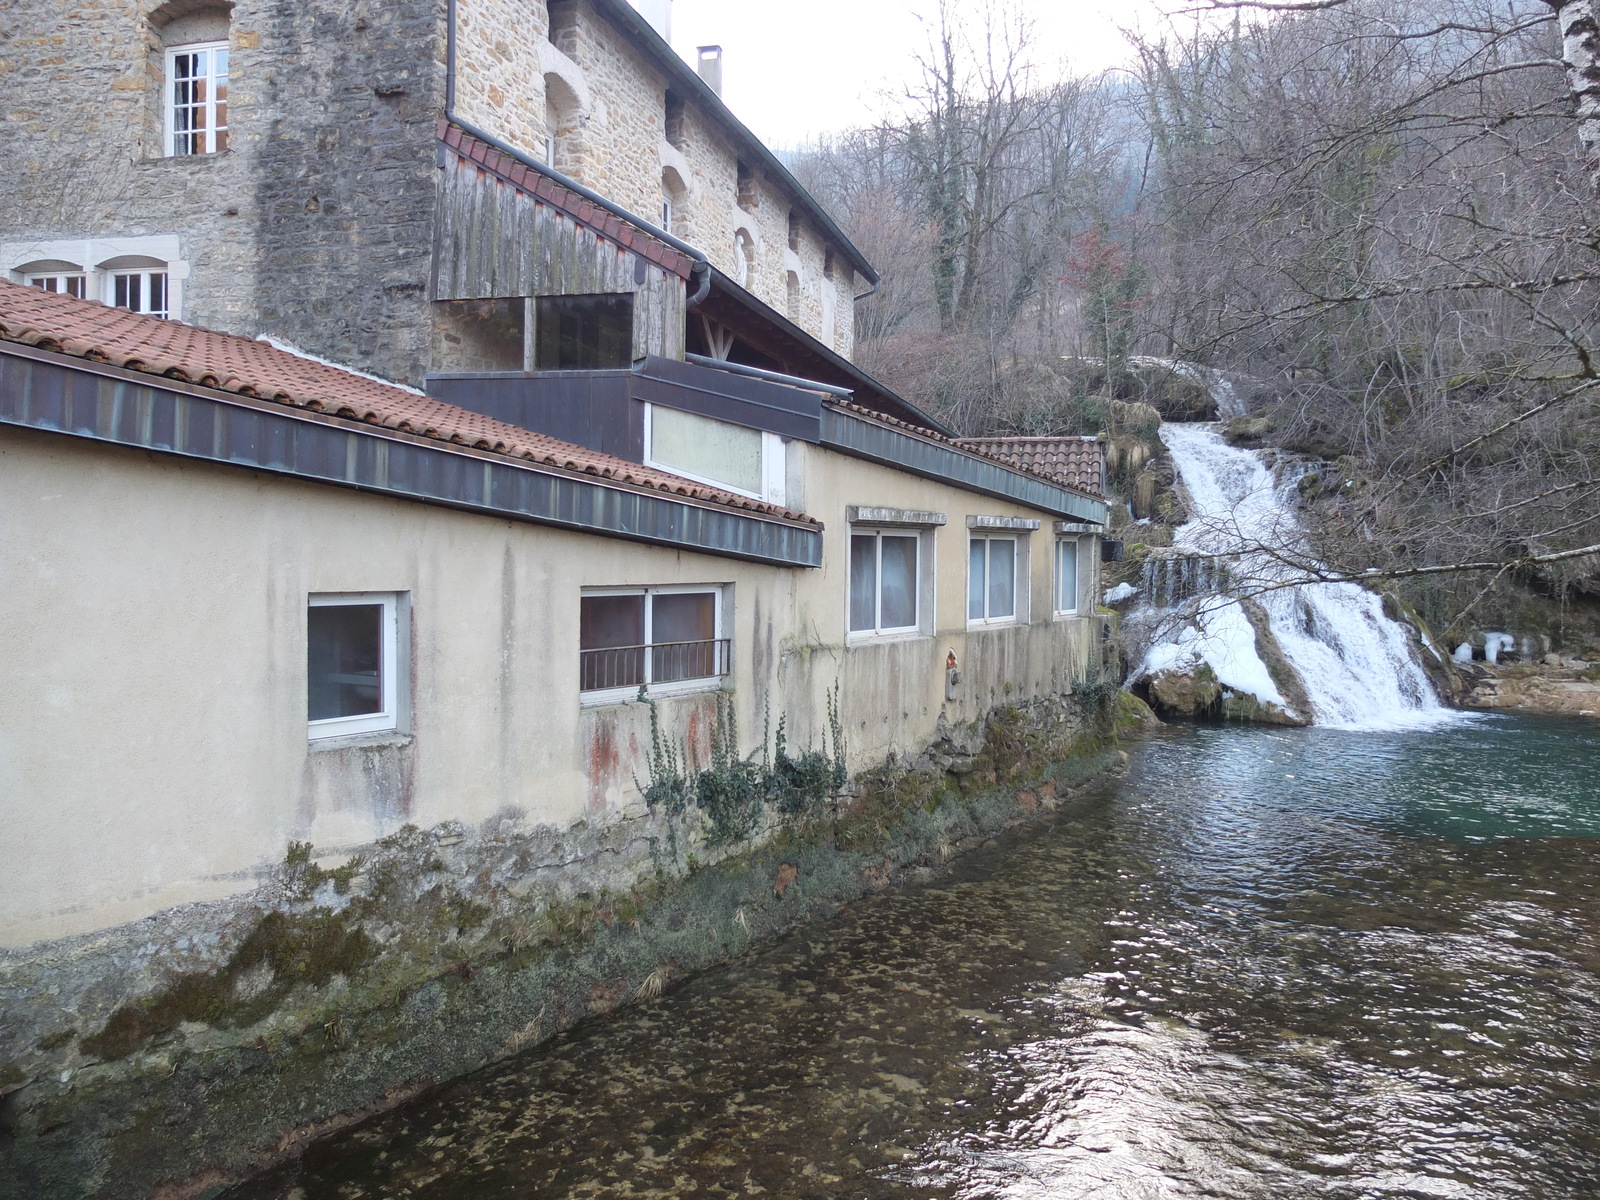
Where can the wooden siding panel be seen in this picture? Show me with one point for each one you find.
(494, 241)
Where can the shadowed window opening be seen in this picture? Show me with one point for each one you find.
(576, 333)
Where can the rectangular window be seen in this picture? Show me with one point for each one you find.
(749, 461)
(884, 581)
(140, 291)
(65, 285)
(578, 333)
(352, 664)
(991, 580)
(197, 99)
(1067, 575)
(653, 638)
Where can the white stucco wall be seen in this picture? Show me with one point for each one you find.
(153, 746)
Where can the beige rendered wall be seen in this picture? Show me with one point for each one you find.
(153, 745)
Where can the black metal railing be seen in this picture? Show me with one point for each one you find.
(661, 662)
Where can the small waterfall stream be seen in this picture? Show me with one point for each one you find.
(1358, 668)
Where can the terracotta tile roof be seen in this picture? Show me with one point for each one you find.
(1077, 462)
(246, 367)
(540, 186)
(984, 448)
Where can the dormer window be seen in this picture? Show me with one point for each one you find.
(63, 278)
(140, 292)
(143, 274)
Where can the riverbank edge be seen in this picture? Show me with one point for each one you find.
(184, 1113)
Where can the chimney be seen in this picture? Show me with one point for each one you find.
(711, 67)
(659, 14)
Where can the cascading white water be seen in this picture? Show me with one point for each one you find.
(1357, 665)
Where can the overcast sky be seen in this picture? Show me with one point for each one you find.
(794, 70)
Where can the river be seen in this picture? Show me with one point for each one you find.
(1262, 963)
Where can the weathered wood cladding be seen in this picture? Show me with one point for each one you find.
(493, 241)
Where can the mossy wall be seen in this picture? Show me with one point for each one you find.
(339, 990)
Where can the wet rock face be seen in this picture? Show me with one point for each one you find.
(1200, 696)
(1564, 688)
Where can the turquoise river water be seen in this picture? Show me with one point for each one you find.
(1262, 963)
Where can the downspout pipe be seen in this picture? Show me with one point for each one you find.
(700, 265)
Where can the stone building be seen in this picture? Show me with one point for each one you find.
(325, 680)
(271, 169)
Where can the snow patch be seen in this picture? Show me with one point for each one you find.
(1222, 639)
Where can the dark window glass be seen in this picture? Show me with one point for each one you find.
(344, 660)
(577, 333)
(683, 626)
(611, 641)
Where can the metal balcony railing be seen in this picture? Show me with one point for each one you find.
(661, 662)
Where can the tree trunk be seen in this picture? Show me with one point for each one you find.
(1580, 50)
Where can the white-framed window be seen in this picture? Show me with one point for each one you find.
(886, 577)
(666, 211)
(751, 462)
(1069, 551)
(992, 580)
(196, 106)
(144, 273)
(353, 663)
(667, 640)
(139, 291)
(66, 283)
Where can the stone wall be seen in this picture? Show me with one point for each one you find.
(615, 143)
(313, 227)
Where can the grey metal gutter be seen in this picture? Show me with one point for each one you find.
(55, 393)
(854, 435)
(722, 364)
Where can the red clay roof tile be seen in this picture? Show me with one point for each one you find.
(86, 329)
(567, 201)
(1078, 462)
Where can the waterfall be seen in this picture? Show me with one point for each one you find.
(1357, 666)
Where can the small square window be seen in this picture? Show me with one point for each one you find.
(352, 664)
(991, 580)
(885, 581)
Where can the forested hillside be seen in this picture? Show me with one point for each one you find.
(1378, 217)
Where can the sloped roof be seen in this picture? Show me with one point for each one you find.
(533, 180)
(247, 367)
(1078, 462)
